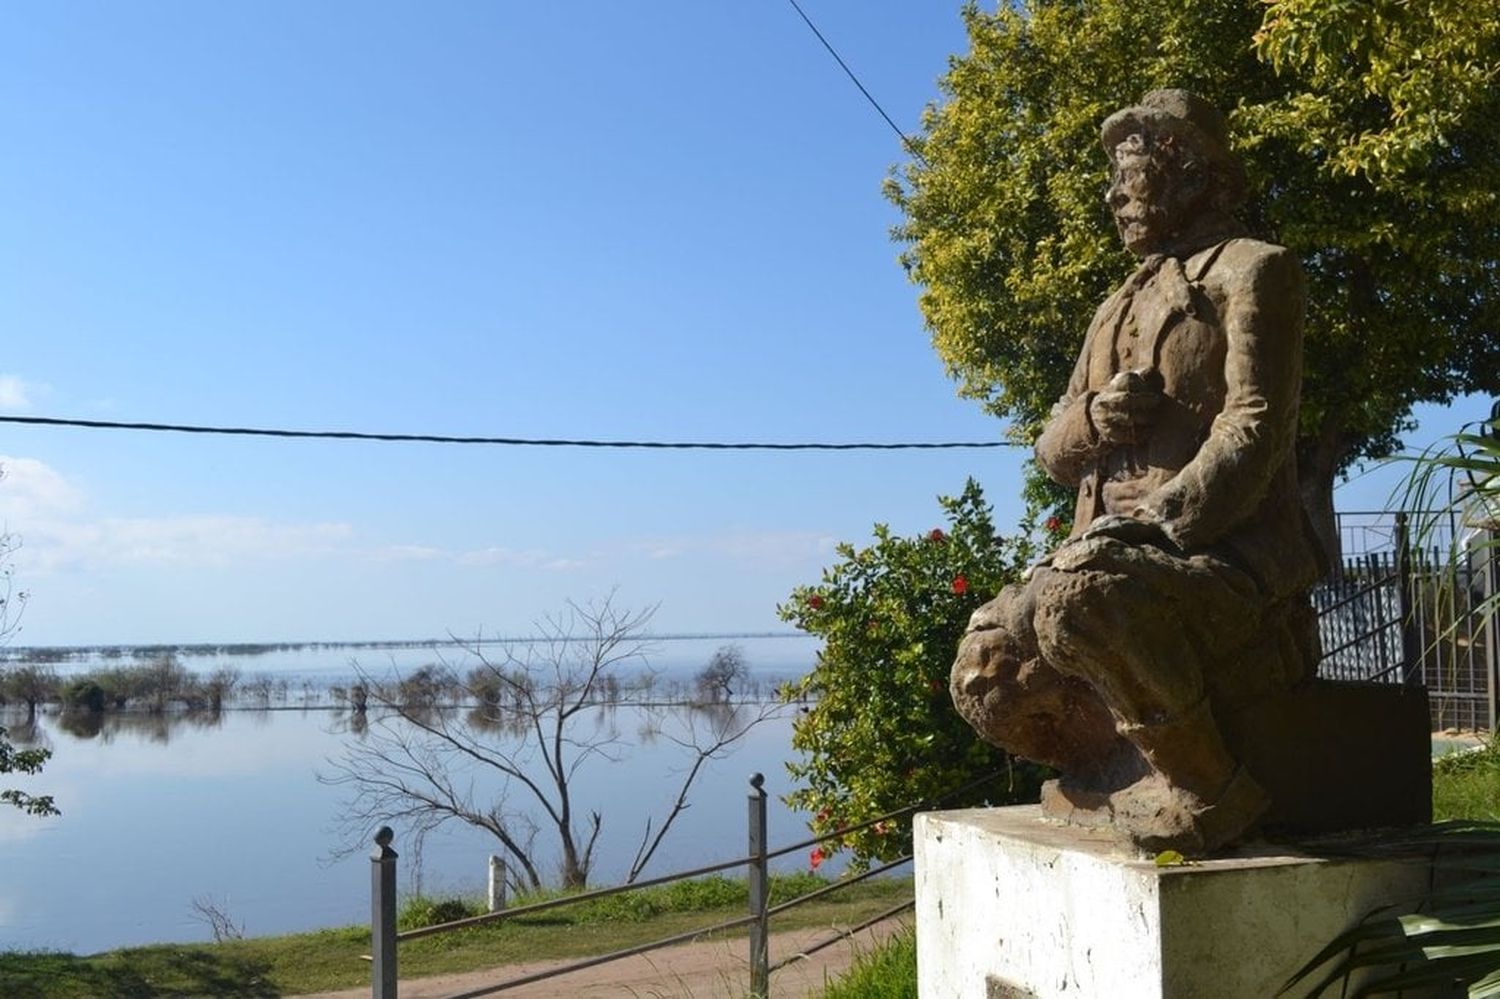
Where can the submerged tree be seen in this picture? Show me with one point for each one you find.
(1371, 134)
(535, 728)
(715, 682)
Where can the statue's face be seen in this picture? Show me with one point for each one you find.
(1144, 197)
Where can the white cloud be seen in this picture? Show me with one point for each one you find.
(16, 393)
(31, 490)
(511, 558)
(180, 542)
(44, 510)
(407, 553)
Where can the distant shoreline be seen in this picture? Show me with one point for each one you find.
(46, 653)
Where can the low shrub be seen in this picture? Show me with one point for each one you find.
(419, 911)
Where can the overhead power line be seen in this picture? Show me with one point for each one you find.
(353, 435)
(906, 141)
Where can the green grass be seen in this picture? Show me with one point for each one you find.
(331, 959)
(1467, 785)
(887, 972)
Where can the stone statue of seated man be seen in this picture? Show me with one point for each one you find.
(1180, 594)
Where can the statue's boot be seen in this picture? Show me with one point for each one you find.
(1199, 799)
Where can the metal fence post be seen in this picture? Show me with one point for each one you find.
(383, 916)
(1491, 599)
(760, 958)
(1411, 639)
(497, 883)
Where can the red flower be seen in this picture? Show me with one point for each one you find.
(936, 535)
(815, 858)
(815, 602)
(960, 585)
(1053, 524)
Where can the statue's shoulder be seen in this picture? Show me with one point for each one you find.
(1245, 261)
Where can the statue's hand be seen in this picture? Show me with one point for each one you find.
(1123, 412)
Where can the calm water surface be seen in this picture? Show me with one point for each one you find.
(157, 814)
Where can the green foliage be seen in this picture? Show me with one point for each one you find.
(84, 694)
(155, 686)
(1371, 134)
(1457, 481)
(24, 761)
(419, 911)
(887, 972)
(1466, 785)
(879, 731)
(1453, 938)
(31, 684)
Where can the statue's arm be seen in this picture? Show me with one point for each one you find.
(1264, 299)
(1070, 443)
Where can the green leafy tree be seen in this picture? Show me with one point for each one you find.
(879, 730)
(1371, 135)
(13, 760)
(24, 761)
(31, 684)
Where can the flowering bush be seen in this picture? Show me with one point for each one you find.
(879, 731)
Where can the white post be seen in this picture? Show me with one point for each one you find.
(497, 883)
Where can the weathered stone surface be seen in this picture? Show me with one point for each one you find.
(1133, 657)
(1010, 906)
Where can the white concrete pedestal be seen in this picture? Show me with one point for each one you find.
(1012, 907)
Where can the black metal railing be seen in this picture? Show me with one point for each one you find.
(1394, 611)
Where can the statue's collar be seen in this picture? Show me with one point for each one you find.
(1201, 234)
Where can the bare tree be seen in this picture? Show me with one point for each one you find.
(530, 728)
(726, 667)
(216, 917)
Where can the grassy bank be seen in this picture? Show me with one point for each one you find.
(332, 959)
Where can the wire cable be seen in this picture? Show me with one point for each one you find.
(353, 435)
(906, 142)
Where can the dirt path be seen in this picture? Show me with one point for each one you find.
(715, 969)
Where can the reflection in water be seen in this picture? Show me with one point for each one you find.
(355, 723)
(24, 730)
(243, 785)
(150, 726)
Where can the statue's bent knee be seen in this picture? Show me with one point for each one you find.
(1017, 701)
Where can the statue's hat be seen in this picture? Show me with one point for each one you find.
(1179, 113)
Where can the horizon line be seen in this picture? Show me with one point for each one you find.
(13, 651)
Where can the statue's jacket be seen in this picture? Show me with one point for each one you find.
(1220, 331)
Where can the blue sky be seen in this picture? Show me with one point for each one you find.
(538, 220)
